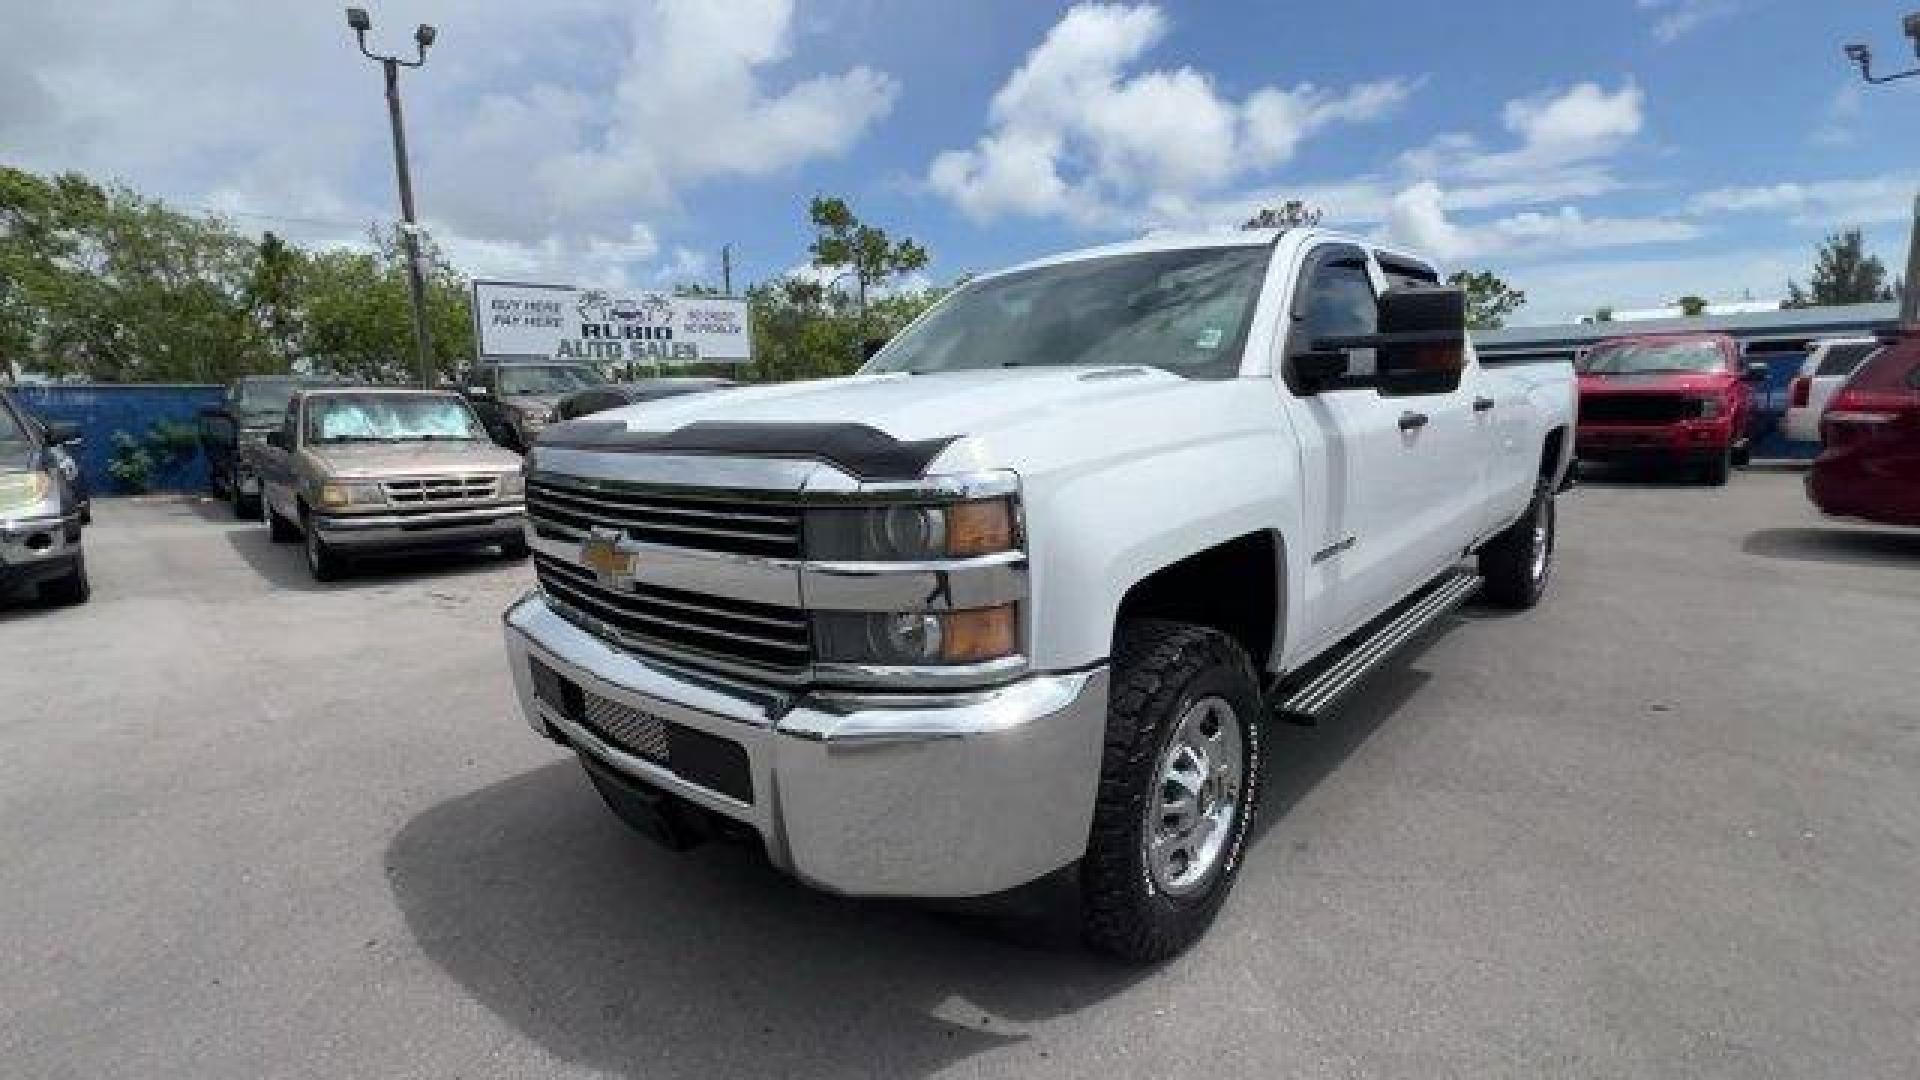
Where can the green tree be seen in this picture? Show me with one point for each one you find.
(356, 318)
(276, 283)
(1292, 214)
(1843, 273)
(1489, 298)
(841, 241)
(1692, 306)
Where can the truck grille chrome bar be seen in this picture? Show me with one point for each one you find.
(769, 530)
(441, 489)
(758, 638)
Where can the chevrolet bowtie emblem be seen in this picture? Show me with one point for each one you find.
(611, 561)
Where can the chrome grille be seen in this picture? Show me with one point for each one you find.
(431, 490)
(567, 510)
(763, 637)
(632, 730)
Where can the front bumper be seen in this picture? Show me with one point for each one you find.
(940, 794)
(426, 528)
(38, 548)
(1686, 440)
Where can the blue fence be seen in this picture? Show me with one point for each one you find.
(101, 409)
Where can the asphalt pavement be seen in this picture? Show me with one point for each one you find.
(1663, 825)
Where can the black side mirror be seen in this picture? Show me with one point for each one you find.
(871, 346)
(1756, 372)
(1421, 347)
(62, 432)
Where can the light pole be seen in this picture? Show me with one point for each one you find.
(423, 36)
(1863, 58)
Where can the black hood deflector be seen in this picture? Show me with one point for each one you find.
(865, 452)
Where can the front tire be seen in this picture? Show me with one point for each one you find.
(70, 590)
(1716, 471)
(1179, 789)
(279, 529)
(324, 563)
(1515, 565)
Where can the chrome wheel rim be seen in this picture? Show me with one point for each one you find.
(1195, 797)
(1542, 540)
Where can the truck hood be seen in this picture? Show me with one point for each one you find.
(910, 407)
(1032, 420)
(349, 461)
(1656, 382)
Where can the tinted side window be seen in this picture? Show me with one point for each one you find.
(1338, 301)
(1843, 359)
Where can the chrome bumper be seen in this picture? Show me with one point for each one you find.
(428, 528)
(948, 794)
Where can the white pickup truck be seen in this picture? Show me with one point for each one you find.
(1021, 593)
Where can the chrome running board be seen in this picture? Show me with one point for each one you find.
(1304, 696)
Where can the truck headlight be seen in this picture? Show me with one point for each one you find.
(909, 532)
(916, 637)
(24, 489)
(351, 493)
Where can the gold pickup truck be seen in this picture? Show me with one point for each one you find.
(359, 470)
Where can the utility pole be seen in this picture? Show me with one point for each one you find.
(423, 36)
(1862, 57)
(726, 269)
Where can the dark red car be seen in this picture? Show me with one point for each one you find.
(1870, 464)
(1669, 399)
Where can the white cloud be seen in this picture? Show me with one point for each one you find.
(1074, 135)
(1673, 19)
(1839, 121)
(1419, 218)
(559, 141)
(1835, 204)
(1555, 132)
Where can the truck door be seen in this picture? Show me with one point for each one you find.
(1341, 428)
(1444, 451)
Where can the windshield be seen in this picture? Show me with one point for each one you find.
(1185, 311)
(267, 397)
(10, 430)
(1631, 357)
(546, 379)
(334, 418)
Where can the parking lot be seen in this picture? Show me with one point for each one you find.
(1667, 823)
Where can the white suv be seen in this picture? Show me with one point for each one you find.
(1828, 365)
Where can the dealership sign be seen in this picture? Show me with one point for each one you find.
(607, 325)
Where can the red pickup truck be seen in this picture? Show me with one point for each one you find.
(1670, 399)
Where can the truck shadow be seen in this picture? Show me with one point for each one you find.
(1299, 758)
(620, 956)
(1591, 474)
(1844, 546)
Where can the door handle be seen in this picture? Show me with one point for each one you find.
(1483, 404)
(1411, 421)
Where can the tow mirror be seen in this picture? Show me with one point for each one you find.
(1421, 346)
(62, 432)
(871, 346)
(1756, 372)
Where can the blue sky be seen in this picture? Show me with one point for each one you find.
(1614, 152)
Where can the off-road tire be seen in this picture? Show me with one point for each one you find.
(1513, 570)
(280, 529)
(1160, 668)
(69, 590)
